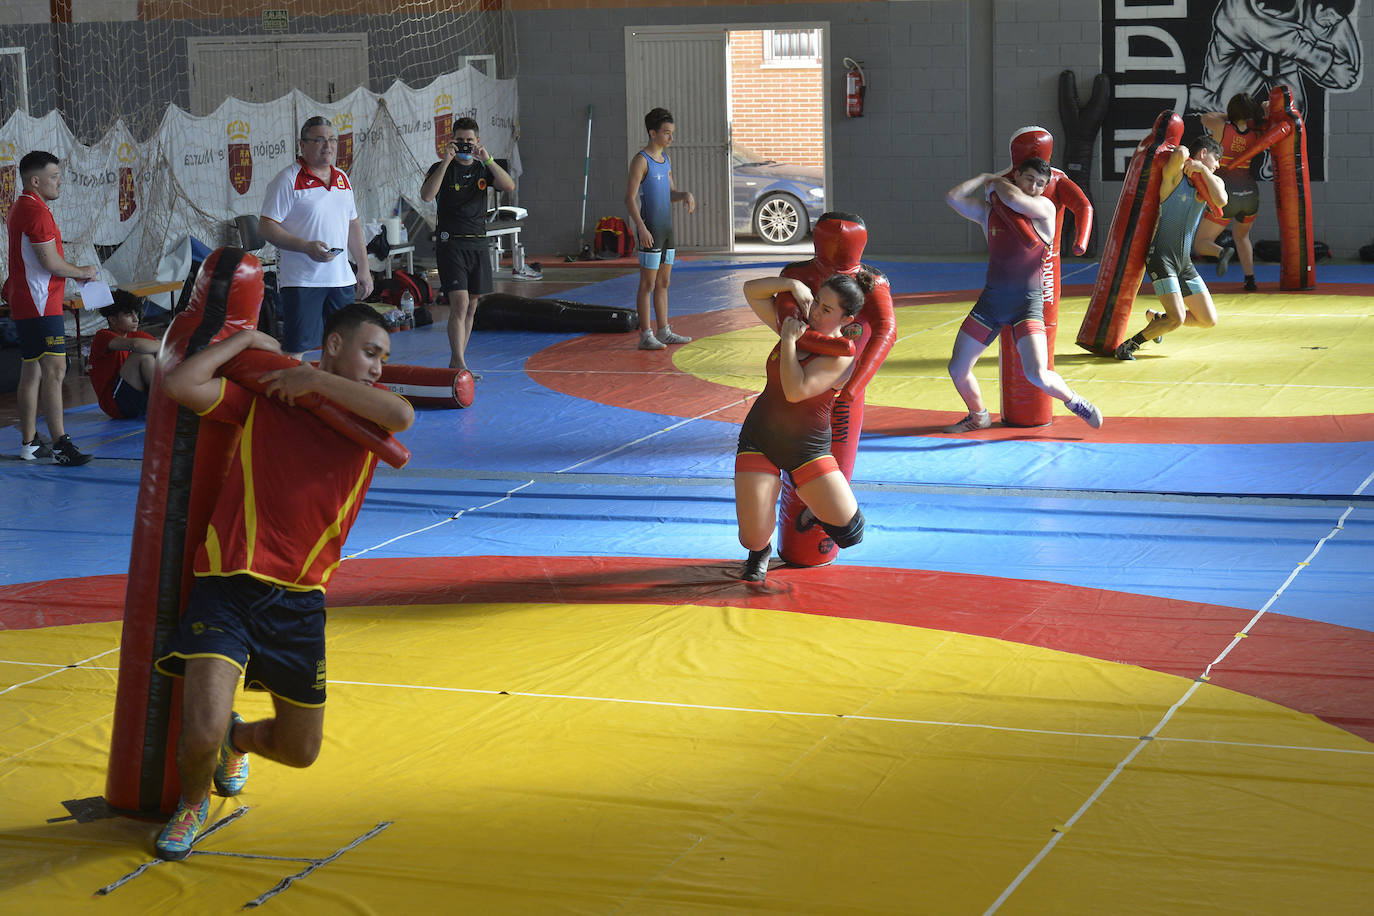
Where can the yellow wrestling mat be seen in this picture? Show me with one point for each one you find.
(639, 759)
(1270, 355)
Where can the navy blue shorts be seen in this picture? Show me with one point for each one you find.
(131, 402)
(42, 336)
(304, 309)
(273, 635)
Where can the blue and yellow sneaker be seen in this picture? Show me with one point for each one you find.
(232, 771)
(176, 839)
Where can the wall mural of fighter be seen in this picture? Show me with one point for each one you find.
(1194, 55)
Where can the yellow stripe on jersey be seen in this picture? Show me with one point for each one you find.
(335, 527)
(213, 555)
(250, 505)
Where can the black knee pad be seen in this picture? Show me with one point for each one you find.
(849, 534)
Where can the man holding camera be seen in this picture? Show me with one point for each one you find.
(310, 215)
(460, 181)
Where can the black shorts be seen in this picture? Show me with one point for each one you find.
(273, 635)
(45, 335)
(463, 268)
(131, 402)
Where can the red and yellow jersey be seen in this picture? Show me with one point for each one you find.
(292, 493)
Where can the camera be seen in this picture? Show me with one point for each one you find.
(463, 146)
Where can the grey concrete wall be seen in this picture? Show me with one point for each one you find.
(932, 66)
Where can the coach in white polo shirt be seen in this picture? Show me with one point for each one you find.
(310, 215)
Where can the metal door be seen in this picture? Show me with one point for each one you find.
(684, 70)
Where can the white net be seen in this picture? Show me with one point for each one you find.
(171, 126)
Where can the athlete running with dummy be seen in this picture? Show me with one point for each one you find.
(1188, 186)
(788, 428)
(1013, 294)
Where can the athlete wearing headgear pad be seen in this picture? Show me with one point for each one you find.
(839, 240)
(1024, 404)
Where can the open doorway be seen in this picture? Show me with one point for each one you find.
(777, 133)
(752, 139)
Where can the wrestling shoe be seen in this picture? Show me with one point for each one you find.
(1224, 260)
(647, 341)
(176, 839)
(32, 451)
(1085, 411)
(65, 453)
(669, 337)
(1151, 315)
(1250, 286)
(1127, 349)
(232, 771)
(979, 420)
(756, 566)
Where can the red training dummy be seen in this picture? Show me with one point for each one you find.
(839, 240)
(1128, 240)
(1286, 139)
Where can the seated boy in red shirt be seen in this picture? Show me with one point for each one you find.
(122, 360)
(257, 609)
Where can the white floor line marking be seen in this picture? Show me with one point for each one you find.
(896, 720)
(57, 669)
(1088, 803)
(1111, 777)
(528, 483)
(439, 524)
(653, 435)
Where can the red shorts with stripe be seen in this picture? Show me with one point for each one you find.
(757, 462)
(985, 335)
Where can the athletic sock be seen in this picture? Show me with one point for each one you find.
(1139, 338)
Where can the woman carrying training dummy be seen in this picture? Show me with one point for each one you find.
(788, 428)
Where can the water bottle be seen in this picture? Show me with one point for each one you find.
(408, 306)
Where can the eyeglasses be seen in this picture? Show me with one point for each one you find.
(319, 140)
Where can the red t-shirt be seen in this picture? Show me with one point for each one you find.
(31, 291)
(292, 493)
(105, 365)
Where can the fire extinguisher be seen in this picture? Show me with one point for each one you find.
(854, 89)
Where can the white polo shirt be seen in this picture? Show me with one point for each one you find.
(311, 209)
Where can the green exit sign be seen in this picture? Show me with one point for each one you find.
(274, 20)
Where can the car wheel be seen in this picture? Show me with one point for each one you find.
(780, 219)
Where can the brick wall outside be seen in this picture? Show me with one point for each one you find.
(775, 110)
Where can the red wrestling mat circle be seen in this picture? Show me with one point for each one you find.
(1313, 667)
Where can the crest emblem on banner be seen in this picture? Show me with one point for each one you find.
(343, 155)
(127, 202)
(240, 156)
(443, 122)
(9, 179)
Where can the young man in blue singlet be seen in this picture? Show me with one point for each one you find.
(649, 197)
(1176, 282)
